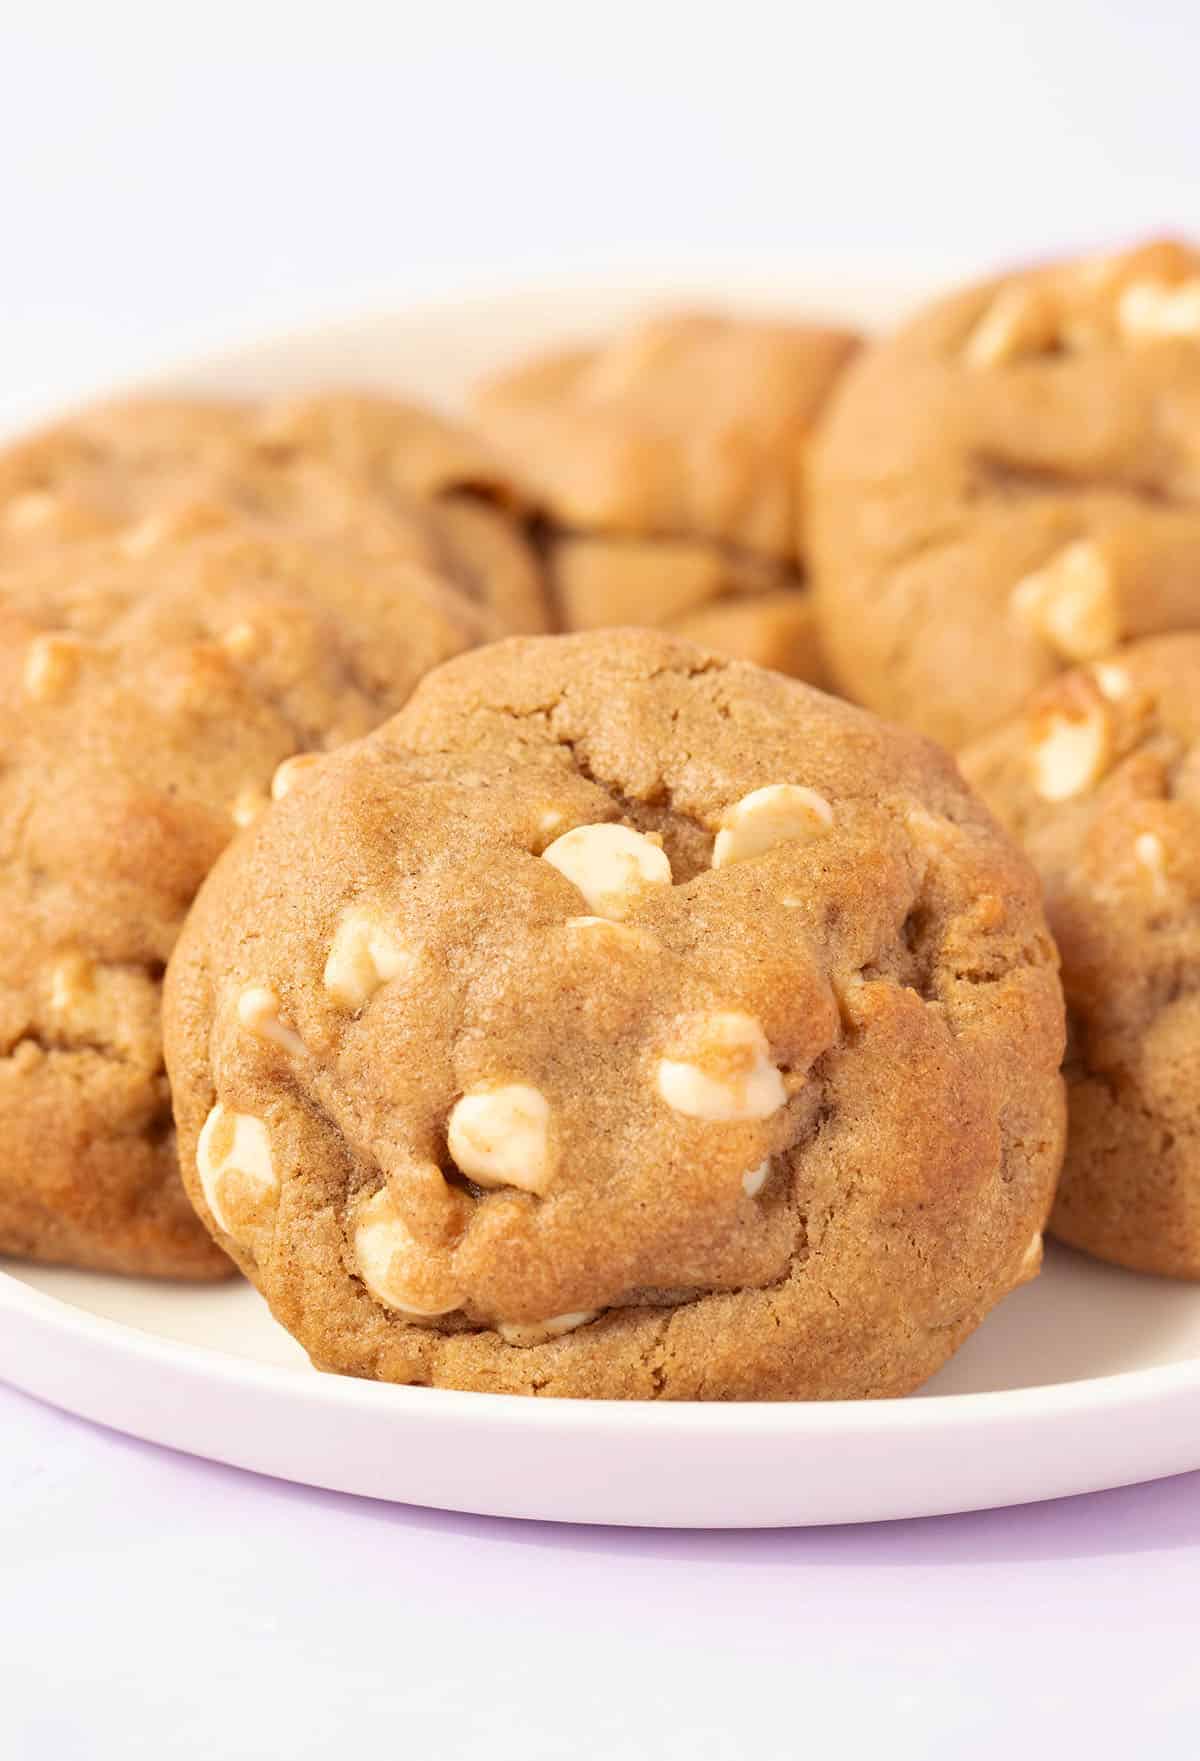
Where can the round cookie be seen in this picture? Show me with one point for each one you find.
(667, 465)
(1101, 781)
(146, 703)
(394, 478)
(1010, 486)
(106, 467)
(623, 1021)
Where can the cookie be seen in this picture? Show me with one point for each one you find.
(391, 477)
(150, 704)
(1100, 778)
(666, 464)
(1010, 486)
(623, 1021)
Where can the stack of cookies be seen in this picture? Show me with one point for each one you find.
(436, 886)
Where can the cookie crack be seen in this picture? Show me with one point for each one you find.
(55, 1045)
(1011, 480)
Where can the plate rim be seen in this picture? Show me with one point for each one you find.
(985, 1408)
(810, 274)
(55, 1320)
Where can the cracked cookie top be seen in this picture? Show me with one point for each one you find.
(620, 1020)
(1100, 779)
(1010, 486)
(151, 702)
(394, 478)
(666, 463)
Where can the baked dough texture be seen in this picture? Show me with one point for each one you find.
(391, 477)
(1010, 486)
(623, 1021)
(1100, 779)
(666, 463)
(148, 698)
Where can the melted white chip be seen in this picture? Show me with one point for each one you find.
(780, 813)
(1071, 602)
(611, 865)
(241, 640)
(258, 1012)
(538, 1332)
(755, 1179)
(1152, 311)
(613, 932)
(1151, 854)
(232, 1144)
(1113, 681)
(1016, 323)
(364, 955)
(247, 806)
(51, 667)
(1031, 1263)
(499, 1135)
(1068, 752)
(729, 1074)
(395, 1268)
(289, 772)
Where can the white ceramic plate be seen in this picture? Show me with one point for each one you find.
(1085, 1379)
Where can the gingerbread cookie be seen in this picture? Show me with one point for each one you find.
(379, 474)
(667, 466)
(623, 1021)
(1010, 486)
(150, 704)
(1100, 779)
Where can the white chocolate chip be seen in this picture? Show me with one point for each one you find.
(394, 1266)
(247, 806)
(499, 1135)
(365, 954)
(70, 979)
(755, 1179)
(1114, 681)
(258, 1012)
(538, 1332)
(72, 982)
(51, 667)
(1031, 1263)
(1151, 855)
(1150, 311)
(184, 520)
(780, 813)
(289, 772)
(619, 932)
(1070, 746)
(241, 640)
(613, 866)
(231, 1145)
(1071, 602)
(147, 535)
(36, 507)
(1018, 322)
(727, 1076)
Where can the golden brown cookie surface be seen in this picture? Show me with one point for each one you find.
(1011, 485)
(147, 702)
(371, 471)
(622, 1021)
(1101, 781)
(667, 463)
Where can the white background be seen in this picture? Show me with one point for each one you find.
(174, 175)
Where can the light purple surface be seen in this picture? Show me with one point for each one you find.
(154, 1606)
(148, 1599)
